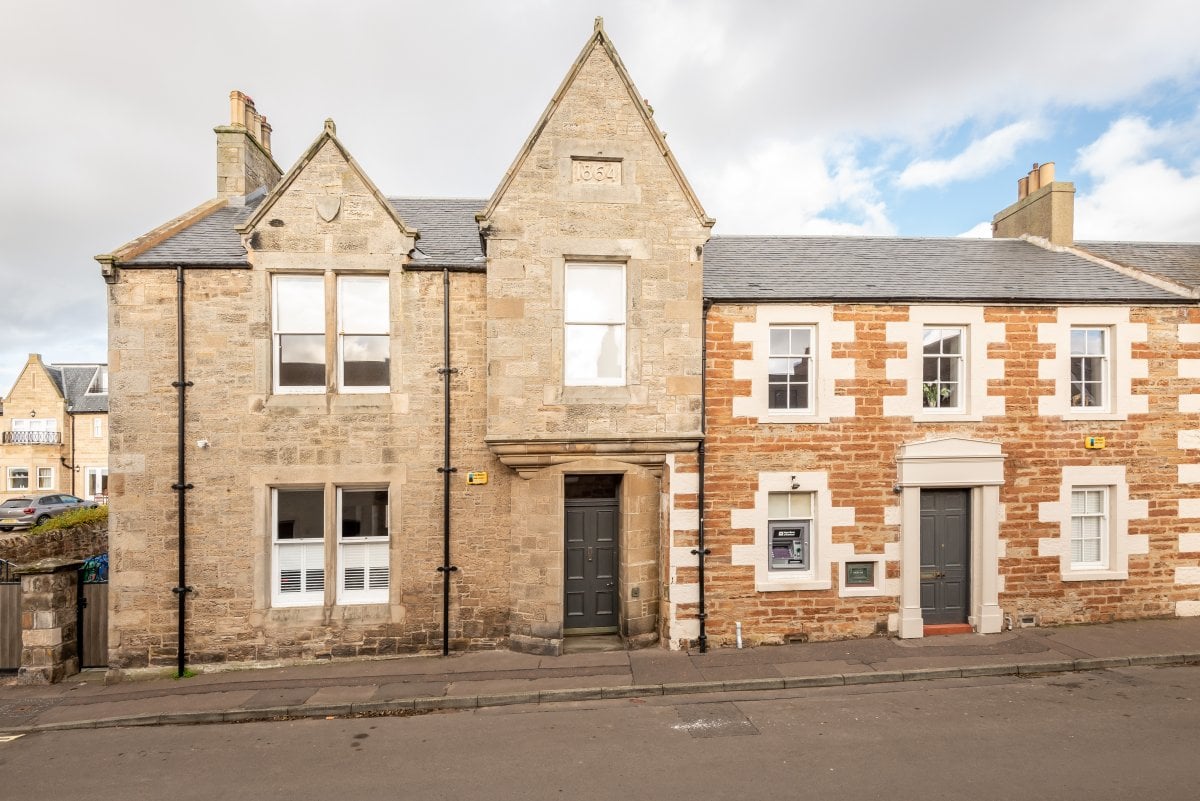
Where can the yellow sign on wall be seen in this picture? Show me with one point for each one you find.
(477, 477)
(1093, 443)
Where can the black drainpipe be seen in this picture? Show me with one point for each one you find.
(700, 551)
(181, 486)
(446, 371)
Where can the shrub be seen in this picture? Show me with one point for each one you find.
(78, 517)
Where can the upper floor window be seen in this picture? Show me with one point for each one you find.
(1089, 368)
(364, 349)
(99, 385)
(790, 378)
(594, 325)
(1089, 527)
(299, 343)
(942, 370)
(98, 427)
(299, 333)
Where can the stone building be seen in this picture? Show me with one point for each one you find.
(54, 431)
(348, 424)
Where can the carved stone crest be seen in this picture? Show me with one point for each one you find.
(328, 207)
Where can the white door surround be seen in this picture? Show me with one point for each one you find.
(942, 463)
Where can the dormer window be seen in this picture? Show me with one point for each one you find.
(99, 384)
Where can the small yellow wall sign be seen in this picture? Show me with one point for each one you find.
(1093, 443)
(477, 477)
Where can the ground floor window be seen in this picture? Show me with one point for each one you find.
(96, 479)
(363, 545)
(45, 478)
(1089, 527)
(18, 478)
(299, 555)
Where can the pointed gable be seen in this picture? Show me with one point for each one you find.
(327, 204)
(596, 104)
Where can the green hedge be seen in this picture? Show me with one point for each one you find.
(79, 517)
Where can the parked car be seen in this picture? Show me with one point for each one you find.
(37, 509)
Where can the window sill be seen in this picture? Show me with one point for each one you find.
(1095, 575)
(863, 592)
(782, 585)
(1078, 415)
(947, 417)
(794, 419)
(595, 394)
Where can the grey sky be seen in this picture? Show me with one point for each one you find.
(802, 117)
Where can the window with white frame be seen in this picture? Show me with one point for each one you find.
(594, 325)
(34, 431)
(942, 368)
(363, 545)
(98, 427)
(96, 482)
(789, 525)
(1089, 368)
(298, 336)
(45, 478)
(298, 547)
(364, 348)
(99, 385)
(1089, 527)
(790, 376)
(18, 478)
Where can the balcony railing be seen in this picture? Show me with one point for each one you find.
(31, 437)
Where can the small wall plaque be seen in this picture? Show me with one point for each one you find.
(860, 574)
(477, 477)
(596, 171)
(1093, 443)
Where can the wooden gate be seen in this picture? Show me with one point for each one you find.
(93, 612)
(10, 617)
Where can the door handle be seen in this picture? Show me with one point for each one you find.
(941, 575)
(589, 553)
(609, 584)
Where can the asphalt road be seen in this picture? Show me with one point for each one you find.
(1131, 733)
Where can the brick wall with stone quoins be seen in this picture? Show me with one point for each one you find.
(1149, 465)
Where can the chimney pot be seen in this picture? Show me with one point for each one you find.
(1034, 183)
(1022, 188)
(265, 138)
(1046, 173)
(237, 108)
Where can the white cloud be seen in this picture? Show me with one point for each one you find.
(796, 187)
(981, 230)
(1135, 193)
(981, 156)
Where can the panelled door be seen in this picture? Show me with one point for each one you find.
(945, 549)
(590, 584)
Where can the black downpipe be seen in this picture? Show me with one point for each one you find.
(700, 551)
(181, 486)
(446, 371)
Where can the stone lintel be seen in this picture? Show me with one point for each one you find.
(528, 456)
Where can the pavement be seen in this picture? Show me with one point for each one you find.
(409, 685)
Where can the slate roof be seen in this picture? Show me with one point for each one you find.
(73, 381)
(212, 240)
(1177, 261)
(888, 269)
(447, 227)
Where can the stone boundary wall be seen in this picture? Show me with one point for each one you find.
(77, 542)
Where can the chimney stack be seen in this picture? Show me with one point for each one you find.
(1044, 208)
(244, 162)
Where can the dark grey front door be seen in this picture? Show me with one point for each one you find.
(945, 546)
(590, 586)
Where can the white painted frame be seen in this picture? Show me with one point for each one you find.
(1123, 368)
(1121, 509)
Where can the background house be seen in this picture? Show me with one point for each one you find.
(54, 431)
